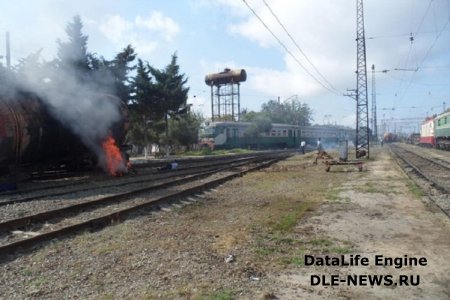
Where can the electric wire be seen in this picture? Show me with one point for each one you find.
(287, 50)
(419, 65)
(426, 55)
(298, 47)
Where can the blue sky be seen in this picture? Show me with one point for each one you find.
(210, 35)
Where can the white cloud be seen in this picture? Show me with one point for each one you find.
(166, 26)
(115, 27)
(122, 31)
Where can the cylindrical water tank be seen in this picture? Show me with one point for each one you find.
(227, 76)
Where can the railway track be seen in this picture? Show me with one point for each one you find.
(102, 211)
(108, 182)
(436, 174)
(82, 178)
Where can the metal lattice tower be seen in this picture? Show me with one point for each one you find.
(362, 114)
(225, 102)
(225, 94)
(373, 120)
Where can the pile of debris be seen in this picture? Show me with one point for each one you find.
(322, 155)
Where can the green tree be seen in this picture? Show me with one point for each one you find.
(250, 116)
(293, 112)
(184, 130)
(120, 68)
(171, 91)
(143, 102)
(171, 86)
(72, 56)
(259, 125)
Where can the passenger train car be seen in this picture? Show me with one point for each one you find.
(227, 135)
(435, 131)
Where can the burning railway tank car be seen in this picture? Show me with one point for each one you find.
(32, 139)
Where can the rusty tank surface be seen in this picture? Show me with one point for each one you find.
(227, 76)
(30, 137)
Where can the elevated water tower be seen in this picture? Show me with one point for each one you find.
(225, 94)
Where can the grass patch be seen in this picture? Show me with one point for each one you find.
(39, 281)
(288, 221)
(415, 189)
(340, 250)
(263, 251)
(321, 242)
(325, 245)
(368, 187)
(218, 295)
(297, 261)
(26, 272)
(333, 195)
(294, 256)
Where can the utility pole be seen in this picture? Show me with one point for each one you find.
(362, 115)
(8, 52)
(374, 107)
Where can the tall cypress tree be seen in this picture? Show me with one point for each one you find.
(72, 55)
(171, 85)
(120, 67)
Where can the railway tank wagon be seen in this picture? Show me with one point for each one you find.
(31, 138)
(442, 131)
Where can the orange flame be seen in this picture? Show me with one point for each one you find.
(115, 163)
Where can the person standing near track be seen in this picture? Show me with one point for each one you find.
(319, 145)
(302, 146)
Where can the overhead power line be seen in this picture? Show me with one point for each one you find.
(299, 48)
(420, 63)
(288, 51)
(426, 55)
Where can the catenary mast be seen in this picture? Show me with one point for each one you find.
(362, 116)
(374, 107)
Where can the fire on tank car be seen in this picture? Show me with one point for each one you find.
(32, 138)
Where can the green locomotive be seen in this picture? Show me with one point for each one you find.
(442, 131)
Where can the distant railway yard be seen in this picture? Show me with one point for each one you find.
(235, 226)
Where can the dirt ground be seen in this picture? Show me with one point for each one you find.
(381, 213)
(247, 239)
